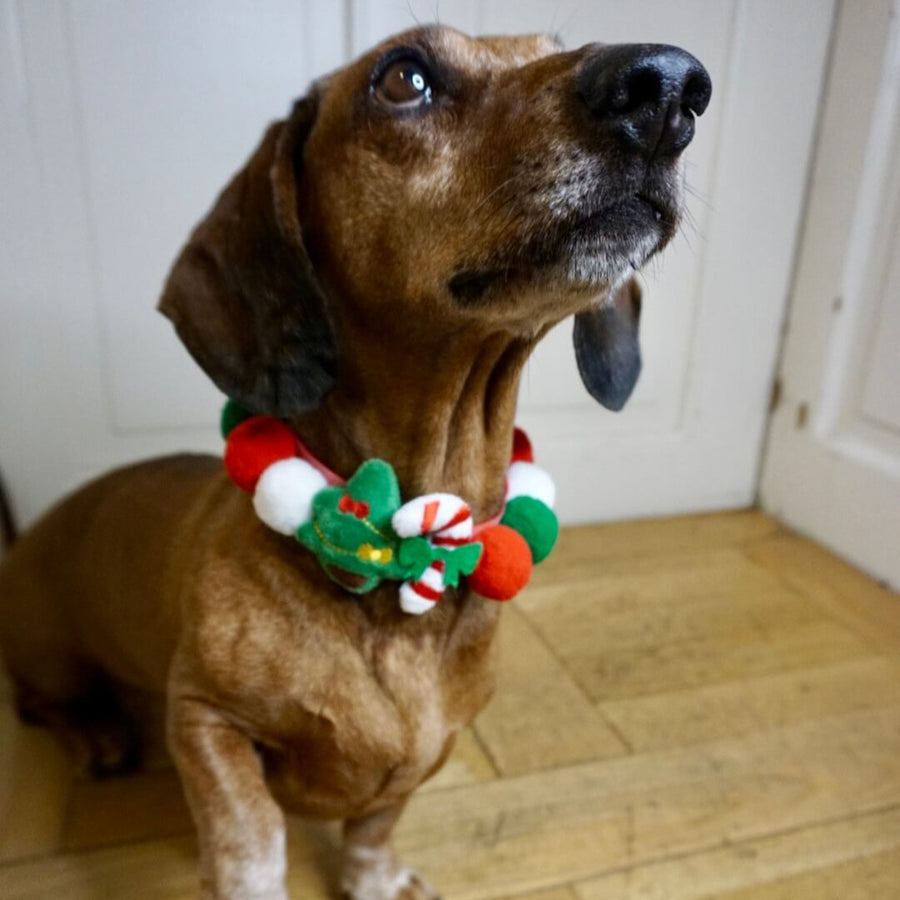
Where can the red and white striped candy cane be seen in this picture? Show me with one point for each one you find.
(445, 520)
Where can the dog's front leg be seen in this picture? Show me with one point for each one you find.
(370, 870)
(240, 828)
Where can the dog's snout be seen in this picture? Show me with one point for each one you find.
(646, 95)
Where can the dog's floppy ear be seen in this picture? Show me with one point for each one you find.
(607, 348)
(243, 295)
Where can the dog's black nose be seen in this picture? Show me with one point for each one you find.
(645, 94)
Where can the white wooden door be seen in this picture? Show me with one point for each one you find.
(833, 463)
(122, 119)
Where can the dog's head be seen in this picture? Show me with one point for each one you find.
(437, 184)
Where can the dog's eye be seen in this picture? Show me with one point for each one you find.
(403, 83)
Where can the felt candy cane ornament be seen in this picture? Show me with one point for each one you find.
(446, 521)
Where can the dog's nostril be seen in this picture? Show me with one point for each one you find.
(635, 89)
(695, 95)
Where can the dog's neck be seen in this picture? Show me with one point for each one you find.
(441, 412)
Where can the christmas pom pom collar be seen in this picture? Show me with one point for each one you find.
(362, 532)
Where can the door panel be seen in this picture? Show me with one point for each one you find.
(833, 461)
(122, 121)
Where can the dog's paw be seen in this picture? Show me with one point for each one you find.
(412, 888)
(371, 874)
(98, 734)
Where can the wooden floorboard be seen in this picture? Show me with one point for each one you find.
(699, 708)
(765, 866)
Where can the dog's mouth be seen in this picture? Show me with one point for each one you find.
(639, 212)
(590, 248)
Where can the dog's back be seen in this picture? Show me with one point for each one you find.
(87, 590)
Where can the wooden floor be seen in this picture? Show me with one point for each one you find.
(702, 707)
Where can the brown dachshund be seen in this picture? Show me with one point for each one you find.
(376, 275)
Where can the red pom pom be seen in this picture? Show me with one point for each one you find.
(521, 451)
(253, 446)
(505, 564)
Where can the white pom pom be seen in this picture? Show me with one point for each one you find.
(284, 494)
(524, 479)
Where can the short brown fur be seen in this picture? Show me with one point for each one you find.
(334, 246)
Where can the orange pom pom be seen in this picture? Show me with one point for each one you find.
(253, 446)
(521, 451)
(505, 564)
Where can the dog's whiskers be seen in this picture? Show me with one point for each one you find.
(696, 194)
(514, 177)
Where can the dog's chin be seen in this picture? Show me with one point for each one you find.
(605, 246)
(588, 253)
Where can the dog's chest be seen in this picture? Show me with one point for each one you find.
(370, 720)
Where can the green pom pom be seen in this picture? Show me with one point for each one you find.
(232, 416)
(536, 522)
